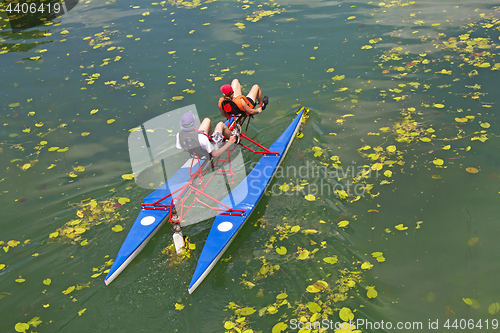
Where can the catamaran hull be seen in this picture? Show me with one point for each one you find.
(148, 222)
(136, 240)
(226, 227)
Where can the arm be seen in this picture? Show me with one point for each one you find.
(229, 143)
(222, 112)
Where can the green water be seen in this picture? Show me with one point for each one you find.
(107, 61)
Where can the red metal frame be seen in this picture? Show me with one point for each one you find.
(181, 195)
(240, 120)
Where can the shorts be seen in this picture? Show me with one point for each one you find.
(218, 139)
(251, 101)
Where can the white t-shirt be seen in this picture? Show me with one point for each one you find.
(202, 139)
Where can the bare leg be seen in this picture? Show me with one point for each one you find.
(221, 127)
(236, 87)
(205, 126)
(255, 94)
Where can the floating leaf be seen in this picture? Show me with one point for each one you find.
(123, 201)
(264, 269)
(281, 250)
(439, 106)
(179, 306)
(310, 197)
(388, 173)
(494, 308)
(473, 241)
(377, 254)
(343, 224)
(79, 168)
(285, 187)
(177, 98)
(314, 307)
(472, 303)
(246, 311)
(279, 327)
(85, 133)
(391, 149)
(35, 321)
(471, 170)
(82, 311)
(21, 327)
(229, 325)
(295, 229)
(117, 228)
(485, 125)
(303, 255)
(110, 121)
(47, 282)
(282, 296)
(331, 260)
(366, 265)
(438, 161)
(372, 293)
(13, 243)
(322, 285)
(400, 227)
(20, 280)
(128, 176)
(2, 266)
(346, 314)
(69, 290)
(248, 284)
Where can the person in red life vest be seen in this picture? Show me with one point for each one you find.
(203, 142)
(233, 101)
